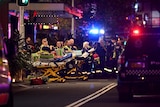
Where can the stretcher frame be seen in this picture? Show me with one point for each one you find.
(76, 70)
(50, 68)
(53, 69)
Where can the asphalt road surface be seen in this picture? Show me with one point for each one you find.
(91, 93)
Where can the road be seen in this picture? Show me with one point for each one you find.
(110, 99)
(91, 93)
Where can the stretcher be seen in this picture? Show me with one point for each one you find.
(51, 71)
(76, 72)
(51, 68)
(74, 67)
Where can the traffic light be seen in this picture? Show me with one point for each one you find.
(23, 2)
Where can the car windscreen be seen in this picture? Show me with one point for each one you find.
(143, 46)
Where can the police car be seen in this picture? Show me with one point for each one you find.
(139, 64)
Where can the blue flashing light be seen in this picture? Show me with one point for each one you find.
(97, 31)
(102, 31)
(94, 31)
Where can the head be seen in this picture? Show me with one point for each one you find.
(119, 41)
(59, 44)
(71, 41)
(28, 40)
(66, 43)
(86, 44)
(45, 41)
(113, 39)
(101, 41)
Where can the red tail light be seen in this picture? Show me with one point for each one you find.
(4, 98)
(136, 31)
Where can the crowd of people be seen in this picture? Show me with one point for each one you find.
(106, 51)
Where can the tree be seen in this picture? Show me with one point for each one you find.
(110, 13)
(18, 61)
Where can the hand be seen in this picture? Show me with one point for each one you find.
(51, 47)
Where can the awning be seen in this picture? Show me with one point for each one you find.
(59, 9)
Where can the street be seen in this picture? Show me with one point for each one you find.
(73, 93)
(92, 42)
(56, 94)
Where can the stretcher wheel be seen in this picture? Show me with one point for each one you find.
(85, 78)
(62, 80)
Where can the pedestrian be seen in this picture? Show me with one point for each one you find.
(59, 50)
(101, 51)
(45, 47)
(29, 45)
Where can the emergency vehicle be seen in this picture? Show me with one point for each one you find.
(6, 97)
(139, 64)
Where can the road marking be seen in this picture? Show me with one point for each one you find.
(92, 96)
(141, 96)
(23, 87)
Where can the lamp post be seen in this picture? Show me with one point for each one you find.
(73, 22)
(21, 27)
(21, 4)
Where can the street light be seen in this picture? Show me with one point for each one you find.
(23, 2)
